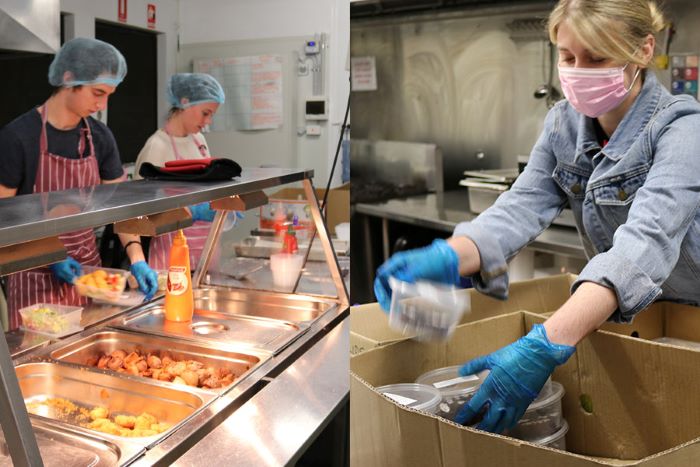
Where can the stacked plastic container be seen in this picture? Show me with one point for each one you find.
(542, 423)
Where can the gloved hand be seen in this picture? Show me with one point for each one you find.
(518, 372)
(146, 278)
(231, 219)
(202, 212)
(437, 262)
(67, 270)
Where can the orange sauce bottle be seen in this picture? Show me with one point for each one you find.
(179, 301)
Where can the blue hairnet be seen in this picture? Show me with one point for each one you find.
(87, 61)
(196, 88)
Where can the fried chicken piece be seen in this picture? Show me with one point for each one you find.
(154, 362)
(133, 357)
(190, 377)
(193, 365)
(144, 421)
(115, 363)
(126, 421)
(103, 361)
(99, 412)
(119, 353)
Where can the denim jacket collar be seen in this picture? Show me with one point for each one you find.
(632, 124)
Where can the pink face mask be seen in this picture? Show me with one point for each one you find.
(594, 91)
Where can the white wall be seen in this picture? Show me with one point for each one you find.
(85, 12)
(240, 20)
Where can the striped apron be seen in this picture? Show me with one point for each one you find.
(159, 251)
(55, 173)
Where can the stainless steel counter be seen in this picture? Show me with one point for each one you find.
(443, 211)
(41, 215)
(279, 422)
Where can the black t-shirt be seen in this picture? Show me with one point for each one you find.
(19, 149)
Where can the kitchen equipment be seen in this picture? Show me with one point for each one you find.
(415, 396)
(92, 346)
(212, 326)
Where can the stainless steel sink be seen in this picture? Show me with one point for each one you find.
(284, 307)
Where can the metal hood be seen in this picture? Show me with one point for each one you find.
(30, 25)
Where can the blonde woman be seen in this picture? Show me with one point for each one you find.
(194, 100)
(625, 154)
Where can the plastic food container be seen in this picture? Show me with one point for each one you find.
(455, 390)
(286, 268)
(416, 396)
(108, 290)
(557, 440)
(543, 417)
(51, 320)
(430, 311)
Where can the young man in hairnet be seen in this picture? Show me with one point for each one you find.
(58, 146)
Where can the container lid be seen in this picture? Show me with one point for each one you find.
(448, 381)
(415, 396)
(441, 294)
(556, 436)
(545, 399)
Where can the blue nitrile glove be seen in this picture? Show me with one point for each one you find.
(67, 270)
(231, 219)
(202, 212)
(437, 262)
(146, 277)
(518, 372)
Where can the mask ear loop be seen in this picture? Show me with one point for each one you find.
(634, 80)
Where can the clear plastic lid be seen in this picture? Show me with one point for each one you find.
(415, 396)
(554, 437)
(448, 381)
(546, 398)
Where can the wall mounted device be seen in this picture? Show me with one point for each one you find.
(316, 108)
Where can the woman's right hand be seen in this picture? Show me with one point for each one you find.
(437, 262)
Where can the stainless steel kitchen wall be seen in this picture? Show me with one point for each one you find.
(462, 80)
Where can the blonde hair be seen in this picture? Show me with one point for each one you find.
(613, 29)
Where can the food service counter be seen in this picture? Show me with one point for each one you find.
(286, 353)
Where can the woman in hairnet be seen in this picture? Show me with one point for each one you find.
(625, 154)
(194, 99)
(58, 146)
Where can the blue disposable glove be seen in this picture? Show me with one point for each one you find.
(67, 270)
(231, 219)
(202, 212)
(437, 262)
(518, 372)
(146, 277)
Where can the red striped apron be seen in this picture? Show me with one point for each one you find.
(159, 251)
(55, 173)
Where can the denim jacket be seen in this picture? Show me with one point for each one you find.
(635, 202)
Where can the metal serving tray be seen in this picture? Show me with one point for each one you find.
(62, 447)
(211, 326)
(284, 307)
(105, 341)
(121, 395)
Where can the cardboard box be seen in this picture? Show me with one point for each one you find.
(641, 404)
(369, 325)
(293, 202)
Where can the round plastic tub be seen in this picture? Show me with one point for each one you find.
(556, 440)
(429, 311)
(455, 390)
(416, 396)
(543, 417)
